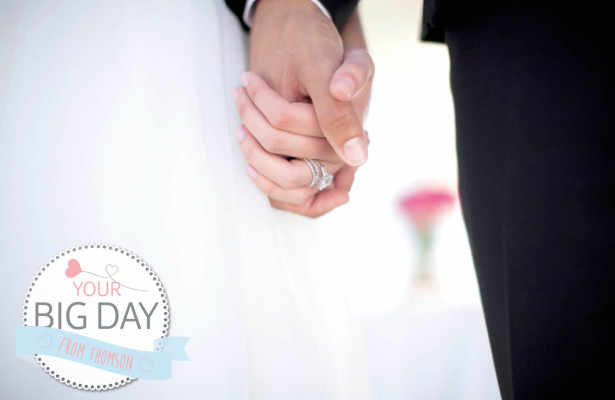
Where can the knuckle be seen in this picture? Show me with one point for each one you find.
(291, 181)
(337, 118)
(356, 61)
(281, 119)
(272, 142)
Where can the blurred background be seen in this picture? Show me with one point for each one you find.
(418, 304)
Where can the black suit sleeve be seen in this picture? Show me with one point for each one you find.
(434, 18)
(340, 10)
(237, 7)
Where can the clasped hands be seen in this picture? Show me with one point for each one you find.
(305, 96)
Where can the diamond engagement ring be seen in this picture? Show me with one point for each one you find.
(325, 177)
(320, 177)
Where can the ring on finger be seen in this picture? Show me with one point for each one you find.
(321, 178)
(314, 168)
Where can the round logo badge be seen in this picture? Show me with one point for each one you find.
(94, 317)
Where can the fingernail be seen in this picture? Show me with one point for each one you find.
(244, 78)
(346, 86)
(251, 171)
(235, 93)
(240, 133)
(355, 151)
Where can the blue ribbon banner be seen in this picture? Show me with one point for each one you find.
(124, 361)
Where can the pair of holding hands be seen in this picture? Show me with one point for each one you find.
(305, 98)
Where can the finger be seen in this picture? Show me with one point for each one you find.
(355, 73)
(338, 120)
(322, 203)
(276, 141)
(345, 177)
(273, 190)
(288, 174)
(299, 118)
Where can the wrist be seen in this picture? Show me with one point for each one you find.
(264, 10)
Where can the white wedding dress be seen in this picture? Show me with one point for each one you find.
(116, 126)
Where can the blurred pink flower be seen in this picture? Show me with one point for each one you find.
(423, 207)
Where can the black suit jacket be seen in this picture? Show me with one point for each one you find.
(340, 10)
(434, 18)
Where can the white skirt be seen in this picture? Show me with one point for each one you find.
(116, 126)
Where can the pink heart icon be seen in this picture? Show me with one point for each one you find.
(74, 268)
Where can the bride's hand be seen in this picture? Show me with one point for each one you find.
(275, 136)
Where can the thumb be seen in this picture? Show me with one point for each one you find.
(338, 120)
(355, 73)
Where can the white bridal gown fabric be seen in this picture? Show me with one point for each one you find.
(116, 126)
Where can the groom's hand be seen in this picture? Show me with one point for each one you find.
(297, 50)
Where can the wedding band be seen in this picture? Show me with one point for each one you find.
(320, 177)
(325, 177)
(314, 168)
